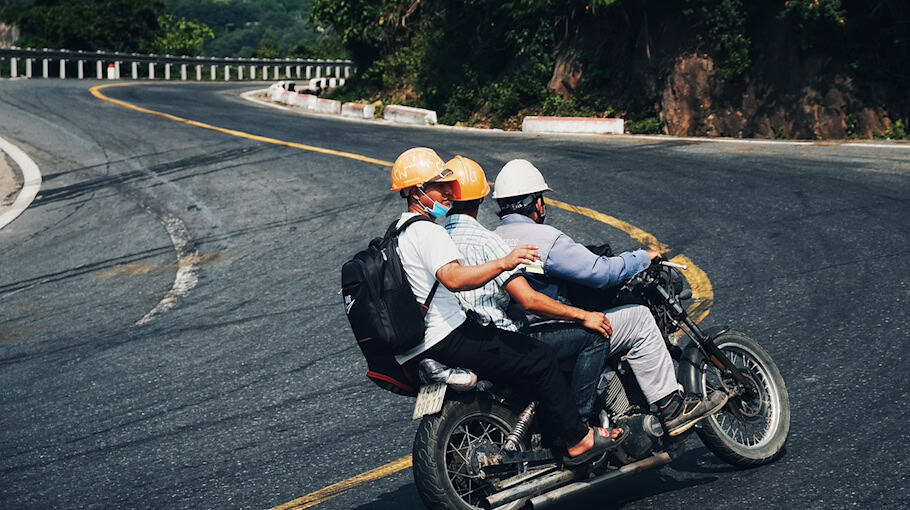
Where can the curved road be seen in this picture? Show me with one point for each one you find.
(247, 391)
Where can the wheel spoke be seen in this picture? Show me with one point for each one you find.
(758, 416)
(470, 433)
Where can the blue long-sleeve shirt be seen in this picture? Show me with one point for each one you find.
(566, 260)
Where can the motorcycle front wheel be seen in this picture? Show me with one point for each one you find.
(444, 446)
(750, 430)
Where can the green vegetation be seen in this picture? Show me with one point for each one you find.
(485, 62)
(220, 28)
(260, 28)
(180, 36)
(88, 24)
(491, 62)
(646, 126)
(898, 131)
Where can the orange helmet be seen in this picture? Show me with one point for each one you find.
(418, 166)
(471, 183)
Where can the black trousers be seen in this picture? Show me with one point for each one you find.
(519, 361)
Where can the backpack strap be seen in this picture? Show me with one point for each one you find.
(394, 231)
(426, 304)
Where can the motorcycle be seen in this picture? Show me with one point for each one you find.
(482, 448)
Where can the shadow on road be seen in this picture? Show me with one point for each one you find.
(612, 497)
(404, 497)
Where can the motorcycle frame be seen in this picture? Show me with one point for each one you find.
(701, 349)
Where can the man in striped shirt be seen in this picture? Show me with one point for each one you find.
(584, 351)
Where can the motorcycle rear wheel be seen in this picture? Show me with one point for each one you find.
(749, 431)
(440, 447)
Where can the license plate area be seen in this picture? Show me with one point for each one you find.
(429, 399)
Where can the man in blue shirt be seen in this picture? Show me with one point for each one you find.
(584, 351)
(519, 191)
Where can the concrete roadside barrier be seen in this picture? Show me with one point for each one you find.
(287, 97)
(535, 124)
(358, 111)
(320, 105)
(303, 100)
(275, 91)
(409, 115)
(317, 84)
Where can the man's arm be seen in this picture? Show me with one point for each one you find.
(459, 278)
(544, 306)
(568, 260)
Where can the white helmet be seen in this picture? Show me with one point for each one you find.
(518, 178)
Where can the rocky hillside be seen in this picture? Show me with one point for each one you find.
(814, 69)
(8, 35)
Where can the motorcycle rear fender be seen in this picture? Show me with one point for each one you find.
(688, 373)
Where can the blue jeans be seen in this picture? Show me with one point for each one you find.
(580, 350)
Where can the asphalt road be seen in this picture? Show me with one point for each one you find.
(249, 391)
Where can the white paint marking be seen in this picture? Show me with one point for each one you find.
(187, 269)
(31, 177)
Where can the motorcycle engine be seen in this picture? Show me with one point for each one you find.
(618, 410)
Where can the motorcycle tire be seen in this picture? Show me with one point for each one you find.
(434, 460)
(747, 432)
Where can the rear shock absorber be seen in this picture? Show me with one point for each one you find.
(520, 430)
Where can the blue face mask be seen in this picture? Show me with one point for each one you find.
(438, 210)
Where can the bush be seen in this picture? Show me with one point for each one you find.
(897, 131)
(647, 126)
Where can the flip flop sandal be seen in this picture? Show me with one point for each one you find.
(602, 444)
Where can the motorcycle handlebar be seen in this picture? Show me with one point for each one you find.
(672, 264)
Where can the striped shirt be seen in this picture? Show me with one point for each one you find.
(479, 246)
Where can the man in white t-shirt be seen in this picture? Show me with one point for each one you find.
(428, 254)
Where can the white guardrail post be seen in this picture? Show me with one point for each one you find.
(234, 68)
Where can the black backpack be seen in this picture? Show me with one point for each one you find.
(385, 316)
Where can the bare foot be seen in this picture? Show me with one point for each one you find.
(588, 442)
(584, 445)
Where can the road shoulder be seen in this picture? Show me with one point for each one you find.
(10, 182)
(18, 196)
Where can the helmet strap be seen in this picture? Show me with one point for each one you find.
(540, 210)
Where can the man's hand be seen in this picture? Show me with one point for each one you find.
(598, 323)
(526, 254)
(653, 254)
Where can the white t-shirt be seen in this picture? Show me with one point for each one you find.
(424, 247)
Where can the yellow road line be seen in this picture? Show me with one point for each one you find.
(96, 91)
(314, 498)
(702, 291)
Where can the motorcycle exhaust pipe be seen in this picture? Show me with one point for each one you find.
(528, 489)
(571, 490)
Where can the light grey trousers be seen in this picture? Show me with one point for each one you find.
(635, 335)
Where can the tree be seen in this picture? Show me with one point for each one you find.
(180, 36)
(110, 25)
(268, 48)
